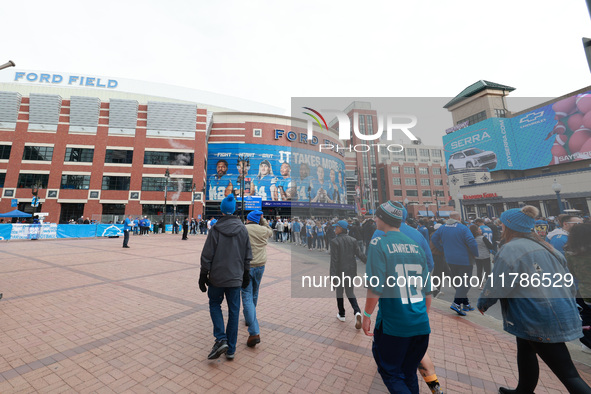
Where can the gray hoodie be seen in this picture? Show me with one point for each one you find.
(227, 252)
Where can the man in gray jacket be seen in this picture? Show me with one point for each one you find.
(259, 233)
(225, 266)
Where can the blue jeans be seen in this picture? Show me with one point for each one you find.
(461, 296)
(250, 296)
(230, 333)
(320, 241)
(398, 359)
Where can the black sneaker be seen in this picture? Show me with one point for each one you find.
(504, 390)
(230, 356)
(219, 348)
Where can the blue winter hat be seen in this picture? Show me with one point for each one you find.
(255, 216)
(228, 205)
(390, 212)
(341, 223)
(520, 219)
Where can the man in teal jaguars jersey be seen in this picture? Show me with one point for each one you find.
(399, 282)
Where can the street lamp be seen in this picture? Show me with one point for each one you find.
(10, 63)
(166, 179)
(35, 191)
(436, 205)
(174, 225)
(244, 165)
(557, 187)
(310, 201)
(459, 196)
(203, 200)
(193, 207)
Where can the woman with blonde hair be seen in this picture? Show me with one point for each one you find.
(537, 300)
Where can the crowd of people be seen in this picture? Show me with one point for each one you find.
(391, 244)
(519, 243)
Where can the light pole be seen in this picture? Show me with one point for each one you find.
(436, 205)
(166, 178)
(203, 200)
(557, 187)
(244, 163)
(459, 196)
(174, 224)
(310, 201)
(193, 207)
(35, 191)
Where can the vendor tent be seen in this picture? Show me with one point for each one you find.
(15, 214)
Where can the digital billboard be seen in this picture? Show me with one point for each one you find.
(556, 133)
(553, 134)
(280, 175)
(485, 145)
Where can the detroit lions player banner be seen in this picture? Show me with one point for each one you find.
(279, 175)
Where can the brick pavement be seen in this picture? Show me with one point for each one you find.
(85, 316)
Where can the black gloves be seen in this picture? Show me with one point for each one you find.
(246, 279)
(203, 280)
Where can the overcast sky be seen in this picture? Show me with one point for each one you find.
(270, 51)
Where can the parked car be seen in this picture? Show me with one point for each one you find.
(472, 158)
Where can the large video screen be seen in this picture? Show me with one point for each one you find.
(553, 134)
(279, 175)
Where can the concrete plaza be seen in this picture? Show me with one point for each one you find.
(86, 316)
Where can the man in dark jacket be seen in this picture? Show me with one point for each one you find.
(225, 268)
(355, 232)
(185, 229)
(343, 265)
(368, 228)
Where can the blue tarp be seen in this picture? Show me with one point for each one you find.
(52, 230)
(76, 230)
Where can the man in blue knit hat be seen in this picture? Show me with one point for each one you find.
(399, 282)
(225, 268)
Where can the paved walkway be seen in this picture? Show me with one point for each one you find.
(85, 316)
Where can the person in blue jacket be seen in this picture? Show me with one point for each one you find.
(541, 317)
(423, 229)
(457, 243)
(127, 227)
(559, 237)
(136, 226)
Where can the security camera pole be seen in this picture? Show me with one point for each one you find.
(10, 63)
